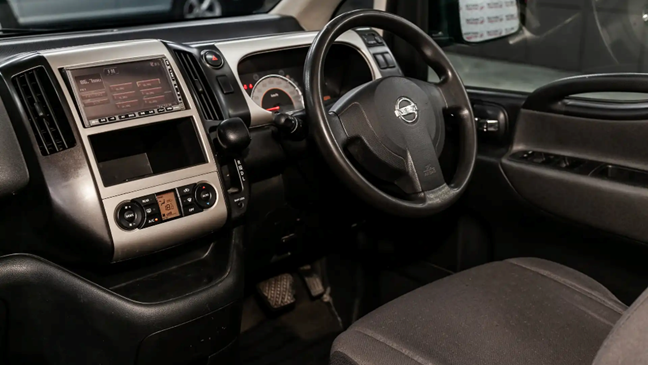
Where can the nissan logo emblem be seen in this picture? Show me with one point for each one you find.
(406, 110)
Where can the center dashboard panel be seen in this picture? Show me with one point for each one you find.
(125, 156)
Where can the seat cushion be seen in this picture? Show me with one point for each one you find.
(521, 311)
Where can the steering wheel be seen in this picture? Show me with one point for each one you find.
(392, 129)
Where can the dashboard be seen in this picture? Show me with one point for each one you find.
(115, 166)
(124, 133)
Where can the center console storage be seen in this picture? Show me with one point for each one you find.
(134, 153)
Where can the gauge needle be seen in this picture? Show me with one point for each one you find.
(273, 109)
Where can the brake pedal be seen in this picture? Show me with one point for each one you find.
(278, 292)
(313, 281)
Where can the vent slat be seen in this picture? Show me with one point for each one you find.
(205, 100)
(41, 114)
(57, 129)
(38, 132)
(45, 114)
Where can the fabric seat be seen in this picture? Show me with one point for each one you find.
(521, 311)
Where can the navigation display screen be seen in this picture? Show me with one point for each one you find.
(122, 91)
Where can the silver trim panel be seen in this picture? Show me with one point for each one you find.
(236, 50)
(139, 242)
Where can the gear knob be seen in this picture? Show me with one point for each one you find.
(232, 136)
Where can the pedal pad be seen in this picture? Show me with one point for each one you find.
(313, 281)
(278, 292)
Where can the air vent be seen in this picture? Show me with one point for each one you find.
(44, 111)
(193, 71)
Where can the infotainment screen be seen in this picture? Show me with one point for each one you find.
(118, 92)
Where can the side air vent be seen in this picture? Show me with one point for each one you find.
(43, 109)
(205, 98)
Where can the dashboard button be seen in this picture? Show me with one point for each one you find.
(389, 60)
(187, 200)
(152, 209)
(112, 119)
(191, 209)
(225, 84)
(146, 200)
(129, 216)
(205, 195)
(152, 220)
(103, 120)
(186, 190)
(381, 61)
(213, 59)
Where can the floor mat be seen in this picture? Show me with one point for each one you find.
(301, 336)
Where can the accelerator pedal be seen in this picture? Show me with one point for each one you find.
(278, 292)
(313, 281)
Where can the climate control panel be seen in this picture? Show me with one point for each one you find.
(153, 209)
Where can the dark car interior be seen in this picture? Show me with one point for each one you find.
(328, 182)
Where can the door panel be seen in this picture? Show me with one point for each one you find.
(513, 207)
(592, 171)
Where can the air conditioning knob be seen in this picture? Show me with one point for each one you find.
(205, 195)
(129, 216)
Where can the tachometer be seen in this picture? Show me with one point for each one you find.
(276, 93)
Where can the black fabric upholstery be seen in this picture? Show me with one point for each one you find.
(338, 358)
(521, 311)
(627, 344)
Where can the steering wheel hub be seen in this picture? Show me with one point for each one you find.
(398, 145)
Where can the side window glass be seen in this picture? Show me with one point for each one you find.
(556, 39)
(348, 5)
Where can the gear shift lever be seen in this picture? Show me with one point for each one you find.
(232, 136)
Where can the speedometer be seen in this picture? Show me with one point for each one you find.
(276, 93)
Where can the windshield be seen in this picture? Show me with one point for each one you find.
(23, 16)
